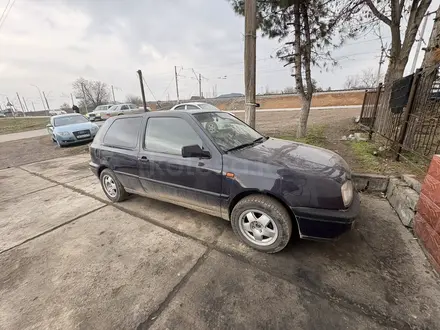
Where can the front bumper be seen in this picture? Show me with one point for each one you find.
(71, 139)
(325, 224)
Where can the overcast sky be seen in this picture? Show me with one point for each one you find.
(50, 43)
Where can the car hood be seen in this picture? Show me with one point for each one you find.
(73, 127)
(297, 156)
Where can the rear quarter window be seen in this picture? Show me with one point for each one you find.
(123, 133)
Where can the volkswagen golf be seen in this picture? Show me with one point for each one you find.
(269, 189)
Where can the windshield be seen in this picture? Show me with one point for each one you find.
(227, 131)
(69, 120)
(206, 106)
(113, 108)
(101, 108)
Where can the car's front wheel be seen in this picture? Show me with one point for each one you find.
(113, 189)
(262, 223)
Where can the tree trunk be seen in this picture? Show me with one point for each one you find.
(305, 109)
(432, 54)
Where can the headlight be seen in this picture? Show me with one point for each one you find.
(94, 128)
(64, 133)
(347, 192)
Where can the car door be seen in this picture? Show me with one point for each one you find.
(120, 148)
(124, 110)
(166, 175)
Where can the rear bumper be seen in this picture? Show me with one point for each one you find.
(325, 224)
(94, 168)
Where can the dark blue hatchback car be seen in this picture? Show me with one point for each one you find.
(214, 163)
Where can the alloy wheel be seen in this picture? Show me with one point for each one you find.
(258, 227)
(109, 185)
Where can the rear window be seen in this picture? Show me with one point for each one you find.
(123, 133)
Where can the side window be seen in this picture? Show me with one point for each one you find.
(123, 133)
(168, 135)
(191, 107)
(180, 107)
(124, 107)
(134, 107)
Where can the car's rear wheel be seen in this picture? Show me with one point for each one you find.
(113, 189)
(262, 223)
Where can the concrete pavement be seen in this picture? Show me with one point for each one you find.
(70, 259)
(22, 135)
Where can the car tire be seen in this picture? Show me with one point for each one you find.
(271, 227)
(59, 144)
(111, 186)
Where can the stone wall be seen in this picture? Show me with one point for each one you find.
(427, 219)
(403, 195)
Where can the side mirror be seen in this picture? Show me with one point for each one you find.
(49, 125)
(195, 151)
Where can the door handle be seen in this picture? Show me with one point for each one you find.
(143, 159)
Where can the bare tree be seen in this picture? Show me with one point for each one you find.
(402, 17)
(366, 79)
(92, 92)
(134, 99)
(65, 106)
(288, 90)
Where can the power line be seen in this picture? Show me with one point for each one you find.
(149, 89)
(4, 10)
(5, 14)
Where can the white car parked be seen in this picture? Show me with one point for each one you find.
(210, 126)
(121, 109)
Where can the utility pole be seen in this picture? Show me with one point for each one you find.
(21, 104)
(47, 103)
(381, 61)
(250, 27)
(41, 97)
(177, 84)
(71, 97)
(9, 104)
(432, 51)
(25, 104)
(142, 90)
(84, 97)
(419, 42)
(113, 93)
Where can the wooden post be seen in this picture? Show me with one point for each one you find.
(142, 90)
(407, 112)
(376, 103)
(363, 105)
(250, 13)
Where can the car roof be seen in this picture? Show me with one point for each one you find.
(192, 103)
(176, 113)
(67, 115)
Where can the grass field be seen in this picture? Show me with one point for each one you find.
(15, 125)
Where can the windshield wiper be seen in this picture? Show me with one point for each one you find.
(244, 145)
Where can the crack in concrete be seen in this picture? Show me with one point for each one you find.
(52, 229)
(164, 304)
(345, 303)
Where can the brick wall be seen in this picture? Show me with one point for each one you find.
(427, 220)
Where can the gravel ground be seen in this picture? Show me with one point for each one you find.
(20, 152)
(32, 150)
